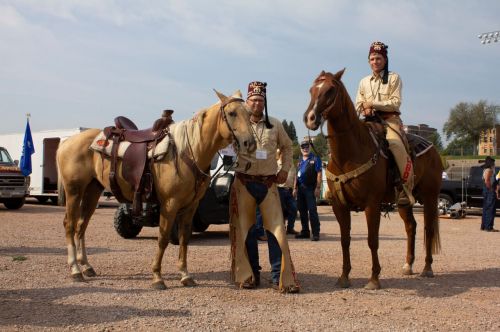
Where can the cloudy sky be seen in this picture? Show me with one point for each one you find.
(80, 63)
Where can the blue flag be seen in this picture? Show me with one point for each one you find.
(28, 150)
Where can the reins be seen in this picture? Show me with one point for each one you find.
(339, 180)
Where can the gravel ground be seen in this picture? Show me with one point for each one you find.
(38, 294)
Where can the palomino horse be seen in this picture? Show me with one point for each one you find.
(361, 177)
(85, 173)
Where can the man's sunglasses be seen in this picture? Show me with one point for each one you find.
(305, 146)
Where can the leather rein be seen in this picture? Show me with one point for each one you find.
(339, 180)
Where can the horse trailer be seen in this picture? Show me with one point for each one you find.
(43, 185)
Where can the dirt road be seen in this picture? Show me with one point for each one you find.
(36, 292)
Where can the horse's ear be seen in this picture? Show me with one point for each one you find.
(222, 98)
(237, 94)
(339, 74)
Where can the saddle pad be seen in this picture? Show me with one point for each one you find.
(418, 144)
(102, 146)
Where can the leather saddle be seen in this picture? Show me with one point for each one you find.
(417, 145)
(136, 168)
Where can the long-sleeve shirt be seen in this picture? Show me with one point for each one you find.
(263, 160)
(385, 97)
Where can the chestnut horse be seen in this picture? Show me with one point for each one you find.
(85, 173)
(361, 173)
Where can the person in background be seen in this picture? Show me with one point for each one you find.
(288, 203)
(489, 195)
(307, 189)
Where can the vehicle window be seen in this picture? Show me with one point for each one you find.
(5, 157)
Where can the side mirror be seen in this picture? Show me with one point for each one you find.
(16, 162)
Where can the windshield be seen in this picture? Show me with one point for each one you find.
(5, 157)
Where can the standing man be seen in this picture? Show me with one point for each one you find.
(307, 189)
(288, 203)
(380, 94)
(489, 195)
(255, 185)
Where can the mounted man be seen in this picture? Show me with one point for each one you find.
(380, 94)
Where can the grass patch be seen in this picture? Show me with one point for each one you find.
(19, 258)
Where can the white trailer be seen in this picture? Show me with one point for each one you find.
(43, 185)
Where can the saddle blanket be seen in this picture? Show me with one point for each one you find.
(101, 145)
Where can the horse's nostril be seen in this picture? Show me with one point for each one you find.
(245, 144)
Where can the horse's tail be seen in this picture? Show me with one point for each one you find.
(436, 238)
(61, 194)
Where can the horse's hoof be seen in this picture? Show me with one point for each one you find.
(159, 285)
(188, 281)
(407, 270)
(372, 285)
(77, 277)
(427, 274)
(90, 272)
(344, 282)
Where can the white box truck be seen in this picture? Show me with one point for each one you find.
(43, 185)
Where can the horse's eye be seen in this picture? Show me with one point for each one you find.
(232, 113)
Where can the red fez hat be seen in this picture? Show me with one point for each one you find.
(257, 89)
(378, 47)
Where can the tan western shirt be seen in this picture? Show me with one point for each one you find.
(385, 97)
(268, 140)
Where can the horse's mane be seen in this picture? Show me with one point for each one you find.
(193, 128)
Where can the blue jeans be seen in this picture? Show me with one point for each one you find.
(489, 200)
(274, 254)
(289, 206)
(259, 192)
(306, 201)
(259, 224)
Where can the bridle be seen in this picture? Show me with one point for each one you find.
(326, 111)
(200, 175)
(224, 117)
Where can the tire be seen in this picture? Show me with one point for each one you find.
(14, 203)
(445, 201)
(53, 200)
(174, 234)
(198, 225)
(124, 225)
(42, 199)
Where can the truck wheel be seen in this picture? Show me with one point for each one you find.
(445, 201)
(53, 200)
(42, 199)
(198, 225)
(14, 203)
(123, 223)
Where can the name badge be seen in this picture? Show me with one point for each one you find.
(261, 154)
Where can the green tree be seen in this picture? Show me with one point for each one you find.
(435, 138)
(459, 147)
(286, 127)
(292, 132)
(467, 121)
(321, 146)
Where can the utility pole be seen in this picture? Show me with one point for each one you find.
(488, 37)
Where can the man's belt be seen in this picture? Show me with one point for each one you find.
(387, 115)
(268, 180)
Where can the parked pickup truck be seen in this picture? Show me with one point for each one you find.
(14, 186)
(469, 189)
